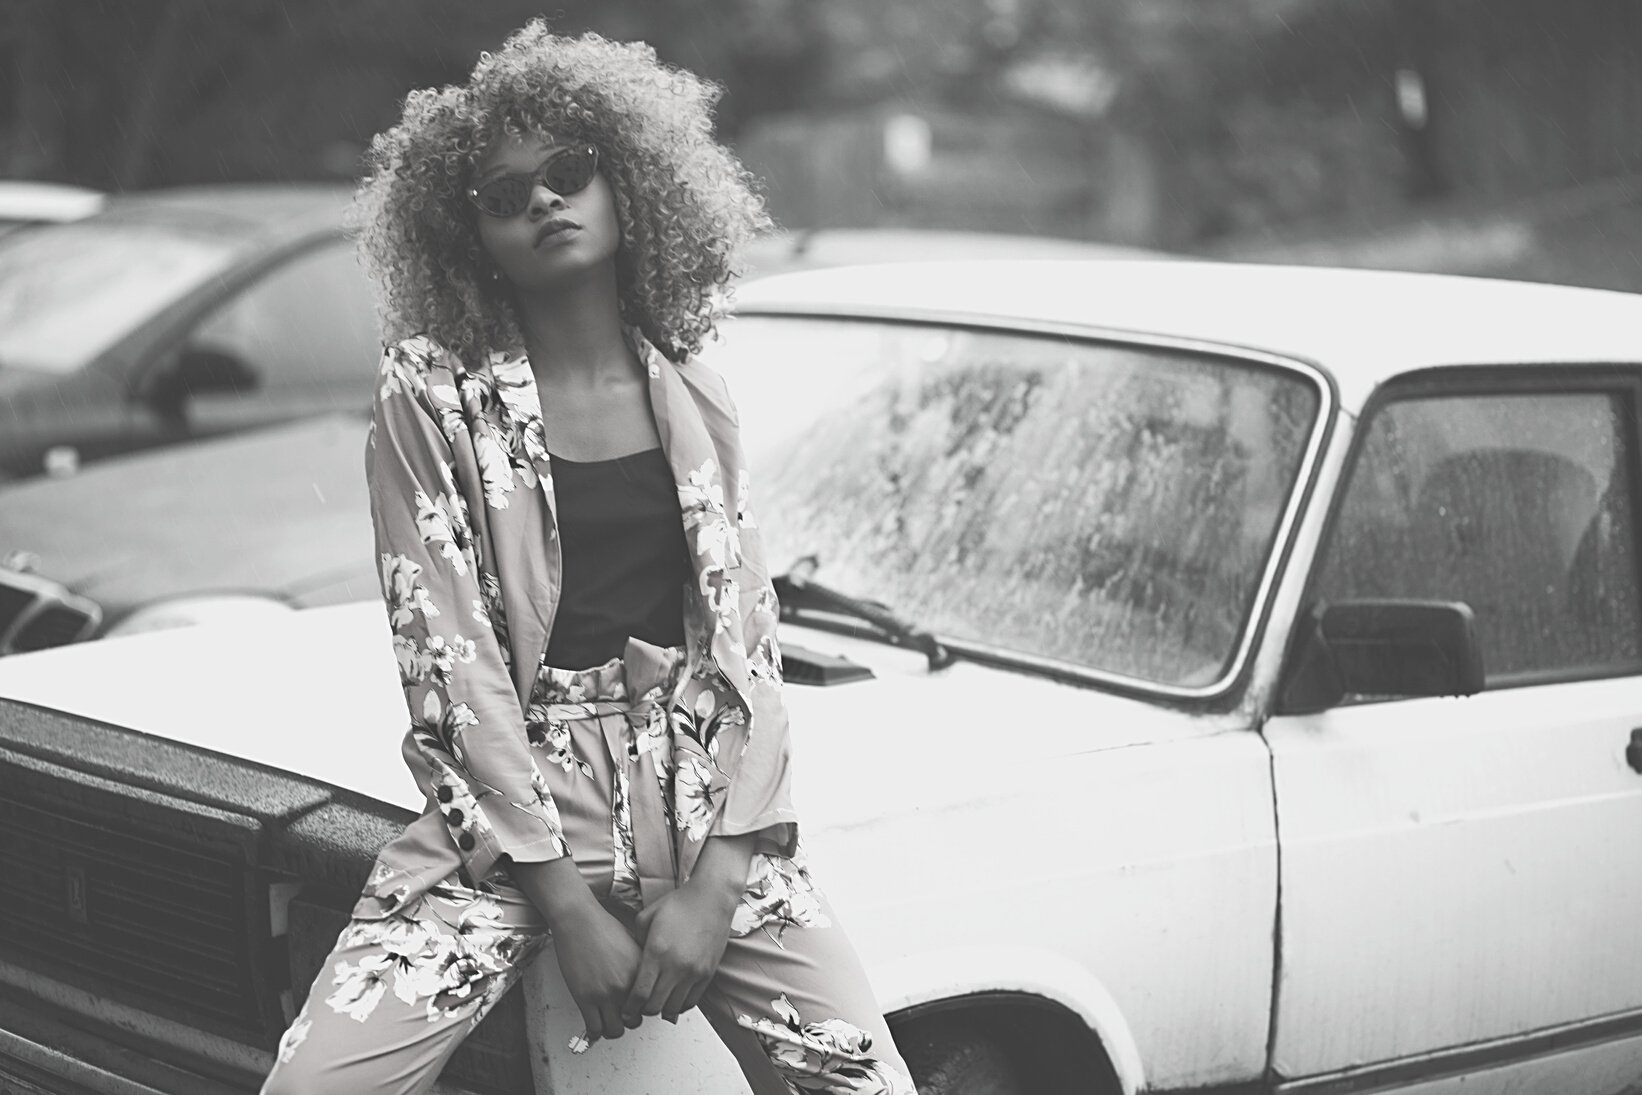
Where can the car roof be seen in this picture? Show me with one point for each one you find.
(27, 200)
(1362, 326)
(251, 213)
(808, 249)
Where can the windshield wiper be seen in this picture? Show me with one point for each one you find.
(796, 590)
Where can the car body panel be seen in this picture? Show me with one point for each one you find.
(1429, 848)
(1066, 800)
(87, 411)
(690, 1058)
(195, 519)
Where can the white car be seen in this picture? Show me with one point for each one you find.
(1203, 677)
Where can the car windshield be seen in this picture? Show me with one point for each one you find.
(69, 291)
(1098, 503)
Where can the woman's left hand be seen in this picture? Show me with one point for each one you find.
(684, 933)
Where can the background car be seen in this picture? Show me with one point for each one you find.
(240, 526)
(175, 315)
(1125, 613)
(23, 203)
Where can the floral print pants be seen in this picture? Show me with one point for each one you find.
(399, 993)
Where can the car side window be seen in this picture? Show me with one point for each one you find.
(308, 323)
(1516, 504)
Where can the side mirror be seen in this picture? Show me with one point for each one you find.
(202, 371)
(1381, 648)
(199, 370)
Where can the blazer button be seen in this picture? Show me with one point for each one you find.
(454, 818)
(444, 794)
(465, 842)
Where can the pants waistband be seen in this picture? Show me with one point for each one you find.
(644, 673)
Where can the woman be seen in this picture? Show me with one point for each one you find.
(582, 617)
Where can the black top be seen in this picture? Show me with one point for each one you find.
(626, 559)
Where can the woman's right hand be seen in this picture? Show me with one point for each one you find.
(597, 954)
(598, 959)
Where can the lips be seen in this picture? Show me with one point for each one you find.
(559, 228)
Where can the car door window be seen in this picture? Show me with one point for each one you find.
(1516, 504)
(308, 327)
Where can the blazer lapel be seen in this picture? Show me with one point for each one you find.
(712, 611)
(530, 618)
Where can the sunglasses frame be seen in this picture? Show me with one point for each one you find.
(535, 176)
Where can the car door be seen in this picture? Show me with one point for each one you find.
(298, 341)
(1460, 881)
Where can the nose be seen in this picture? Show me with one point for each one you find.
(544, 201)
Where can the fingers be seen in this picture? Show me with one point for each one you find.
(591, 1023)
(675, 1002)
(696, 993)
(634, 1008)
(611, 1025)
(666, 982)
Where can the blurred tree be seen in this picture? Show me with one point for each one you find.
(157, 91)
(145, 92)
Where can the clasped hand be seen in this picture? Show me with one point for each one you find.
(616, 981)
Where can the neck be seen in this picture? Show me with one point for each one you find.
(574, 332)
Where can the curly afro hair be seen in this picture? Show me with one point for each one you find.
(685, 205)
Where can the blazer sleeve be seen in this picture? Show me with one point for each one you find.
(466, 745)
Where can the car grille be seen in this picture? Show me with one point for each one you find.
(36, 613)
(148, 898)
(51, 625)
(13, 600)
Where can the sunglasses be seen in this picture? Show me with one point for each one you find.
(566, 171)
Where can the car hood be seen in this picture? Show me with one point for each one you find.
(281, 512)
(316, 693)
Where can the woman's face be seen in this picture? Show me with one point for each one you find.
(556, 237)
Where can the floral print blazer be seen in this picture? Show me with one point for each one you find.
(461, 491)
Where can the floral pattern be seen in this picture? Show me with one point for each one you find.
(294, 1036)
(780, 895)
(463, 507)
(405, 595)
(624, 869)
(694, 795)
(442, 522)
(452, 960)
(829, 1057)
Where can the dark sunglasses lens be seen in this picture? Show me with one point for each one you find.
(570, 171)
(505, 196)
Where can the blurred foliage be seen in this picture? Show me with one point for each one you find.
(1165, 123)
(128, 93)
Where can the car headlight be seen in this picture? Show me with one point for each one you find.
(218, 608)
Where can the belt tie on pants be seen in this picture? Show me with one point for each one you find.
(632, 719)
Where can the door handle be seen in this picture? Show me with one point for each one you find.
(1633, 751)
